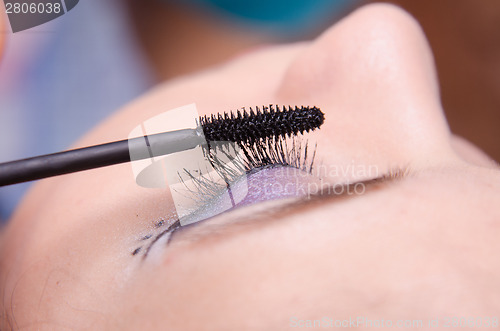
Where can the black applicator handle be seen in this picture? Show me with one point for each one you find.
(242, 127)
(56, 164)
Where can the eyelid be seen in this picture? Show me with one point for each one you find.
(279, 152)
(278, 209)
(176, 225)
(209, 193)
(281, 208)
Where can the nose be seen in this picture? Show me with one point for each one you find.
(373, 75)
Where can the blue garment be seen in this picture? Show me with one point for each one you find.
(87, 67)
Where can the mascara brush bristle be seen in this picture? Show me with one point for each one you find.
(251, 126)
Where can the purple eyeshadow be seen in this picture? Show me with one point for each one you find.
(268, 183)
(277, 182)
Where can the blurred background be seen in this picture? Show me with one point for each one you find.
(60, 79)
(465, 39)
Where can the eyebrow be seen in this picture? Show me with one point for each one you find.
(342, 192)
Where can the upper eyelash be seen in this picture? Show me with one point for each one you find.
(277, 151)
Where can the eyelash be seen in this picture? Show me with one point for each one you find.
(272, 152)
(277, 151)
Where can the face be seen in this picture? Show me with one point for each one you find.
(419, 243)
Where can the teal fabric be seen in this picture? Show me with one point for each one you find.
(288, 16)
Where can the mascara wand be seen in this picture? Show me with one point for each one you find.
(242, 127)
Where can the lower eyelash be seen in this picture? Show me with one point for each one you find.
(149, 239)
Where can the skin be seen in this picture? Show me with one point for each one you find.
(421, 247)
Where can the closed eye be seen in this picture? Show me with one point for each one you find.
(257, 160)
(330, 193)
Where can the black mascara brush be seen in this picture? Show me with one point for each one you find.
(241, 127)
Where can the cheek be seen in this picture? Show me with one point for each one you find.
(373, 75)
